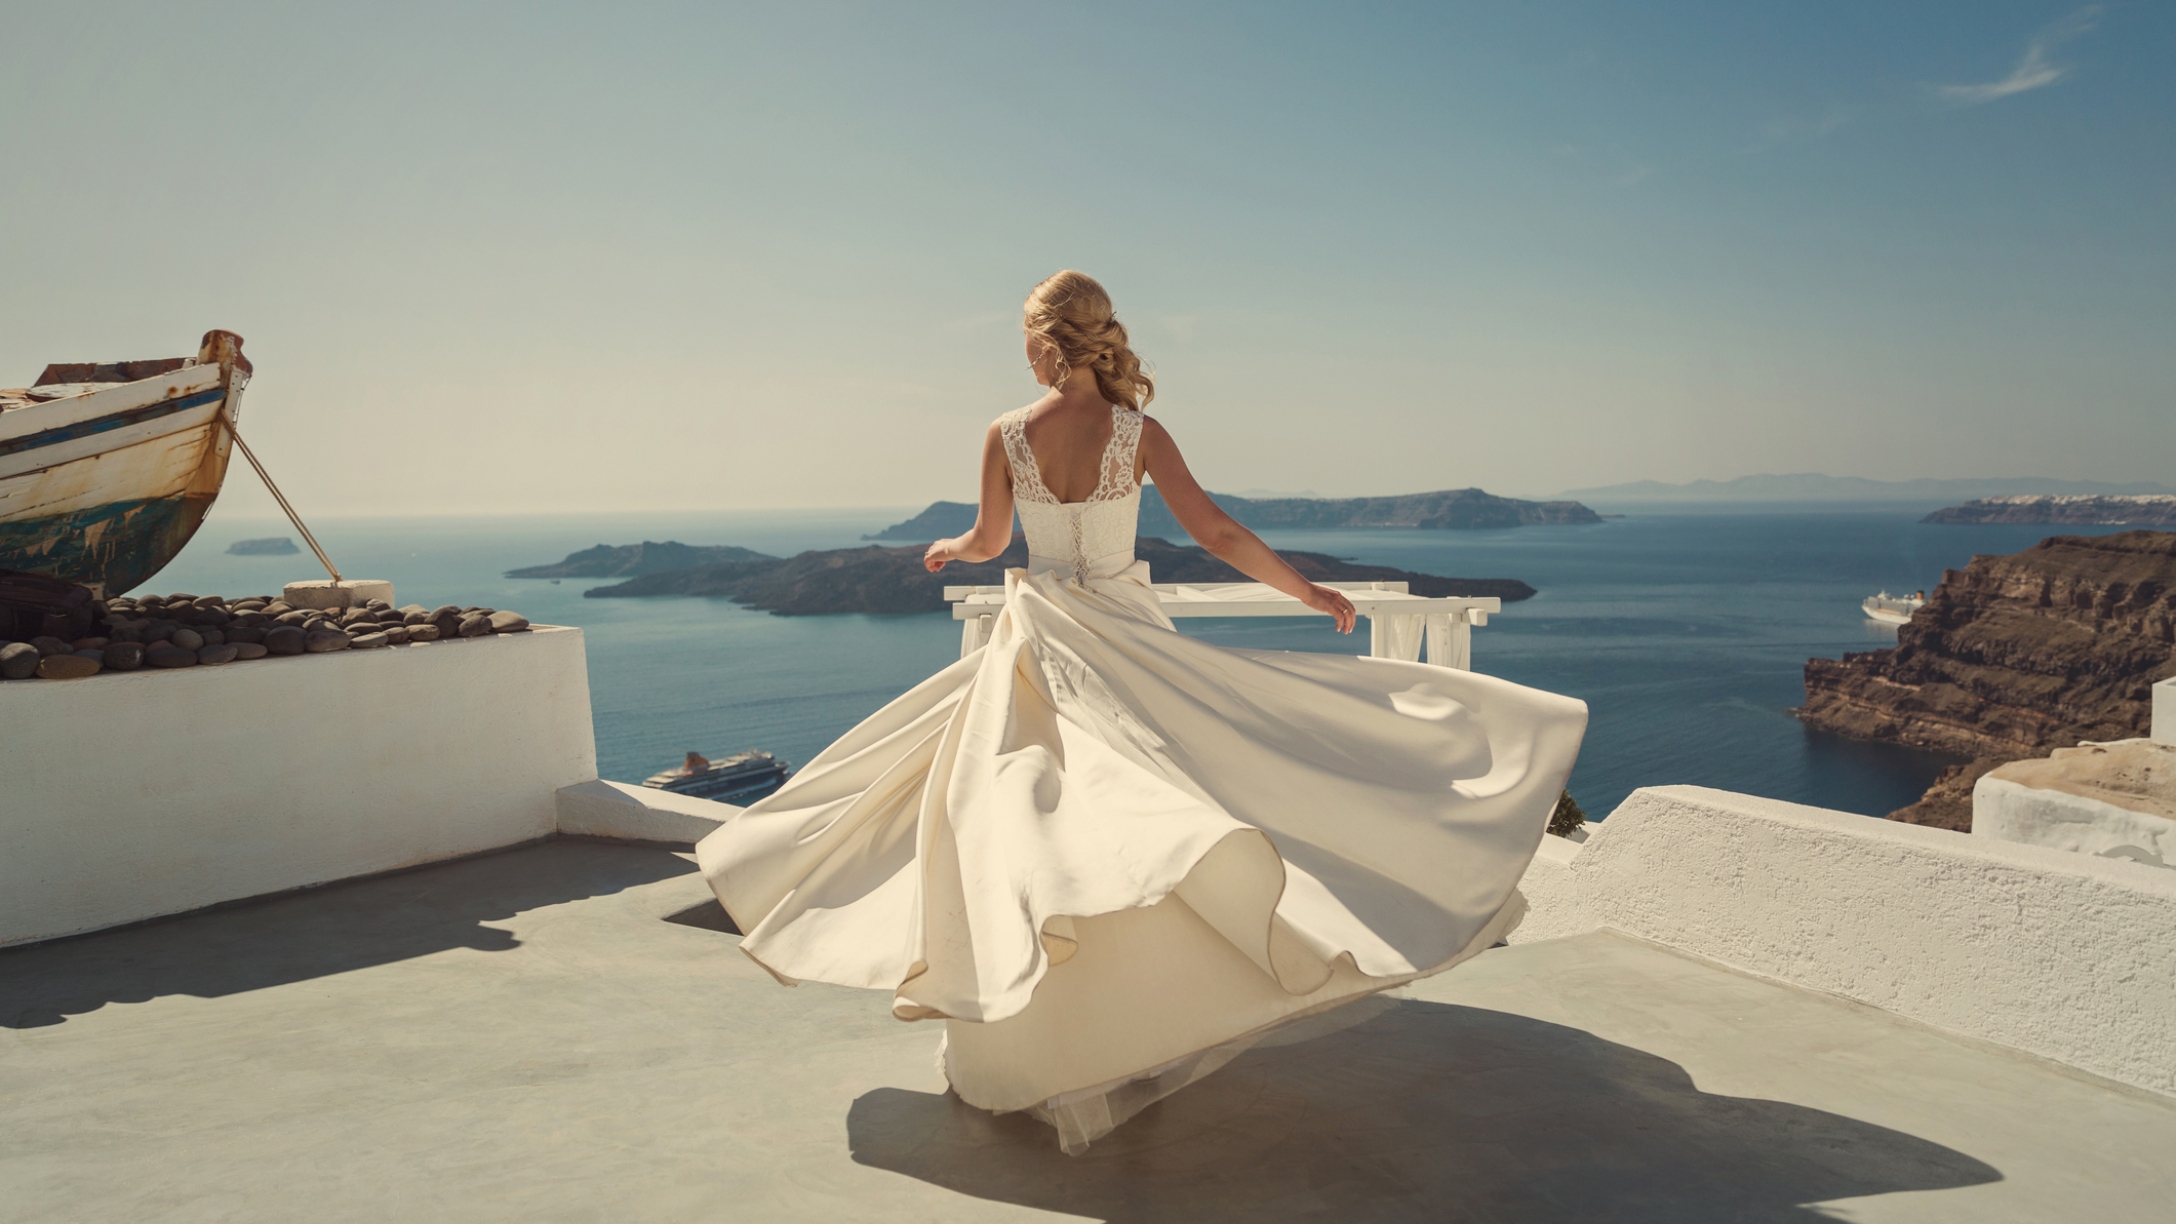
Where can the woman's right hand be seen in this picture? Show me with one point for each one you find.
(1331, 603)
(934, 558)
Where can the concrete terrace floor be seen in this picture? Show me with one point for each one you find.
(553, 1033)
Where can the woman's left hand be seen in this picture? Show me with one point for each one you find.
(1332, 603)
(939, 553)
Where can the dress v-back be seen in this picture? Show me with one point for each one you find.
(1086, 539)
(1109, 856)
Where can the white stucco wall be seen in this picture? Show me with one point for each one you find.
(1555, 906)
(2062, 955)
(637, 813)
(129, 796)
(2060, 820)
(2164, 711)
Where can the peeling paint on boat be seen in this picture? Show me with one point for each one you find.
(105, 487)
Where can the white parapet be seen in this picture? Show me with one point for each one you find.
(129, 796)
(638, 813)
(2066, 956)
(2116, 799)
(2164, 711)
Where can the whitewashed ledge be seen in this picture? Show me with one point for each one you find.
(135, 795)
(638, 813)
(2062, 955)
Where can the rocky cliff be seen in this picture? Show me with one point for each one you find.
(878, 579)
(2013, 656)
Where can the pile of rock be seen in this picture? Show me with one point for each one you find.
(183, 630)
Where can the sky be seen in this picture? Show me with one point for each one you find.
(558, 257)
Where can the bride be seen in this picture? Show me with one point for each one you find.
(1109, 856)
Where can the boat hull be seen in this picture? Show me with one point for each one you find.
(105, 488)
(112, 548)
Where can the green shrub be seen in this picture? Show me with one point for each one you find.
(1567, 817)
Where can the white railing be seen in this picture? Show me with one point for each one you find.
(1399, 624)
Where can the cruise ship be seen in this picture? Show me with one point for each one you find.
(740, 779)
(1893, 609)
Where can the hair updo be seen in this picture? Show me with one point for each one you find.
(1072, 314)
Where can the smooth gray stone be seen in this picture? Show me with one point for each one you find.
(423, 633)
(319, 641)
(165, 655)
(244, 633)
(475, 625)
(292, 617)
(213, 637)
(124, 656)
(19, 661)
(243, 650)
(396, 634)
(187, 639)
(285, 640)
(412, 609)
(50, 645)
(213, 656)
(509, 622)
(368, 641)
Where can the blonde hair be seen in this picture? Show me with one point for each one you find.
(1072, 314)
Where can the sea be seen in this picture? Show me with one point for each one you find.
(1685, 628)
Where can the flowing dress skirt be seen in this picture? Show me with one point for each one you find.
(1109, 856)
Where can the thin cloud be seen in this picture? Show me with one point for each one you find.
(2035, 70)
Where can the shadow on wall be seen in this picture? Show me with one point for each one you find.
(1425, 1112)
(322, 931)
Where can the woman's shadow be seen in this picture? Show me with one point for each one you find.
(1424, 1111)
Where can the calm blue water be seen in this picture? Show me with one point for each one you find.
(1685, 632)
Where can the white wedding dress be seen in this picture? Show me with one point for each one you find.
(1110, 856)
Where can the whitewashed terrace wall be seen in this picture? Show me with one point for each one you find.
(2062, 955)
(129, 796)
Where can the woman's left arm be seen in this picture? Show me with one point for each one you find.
(1223, 537)
(992, 532)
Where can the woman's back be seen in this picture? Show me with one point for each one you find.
(1091, 532)
(1070, 443)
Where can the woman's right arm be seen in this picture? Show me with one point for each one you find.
(992, 532)
(1223, 536)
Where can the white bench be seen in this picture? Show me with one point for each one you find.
(1400, 624)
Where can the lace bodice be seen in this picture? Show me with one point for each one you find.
(1088, 539)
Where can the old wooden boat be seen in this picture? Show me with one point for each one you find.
(106, 469)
